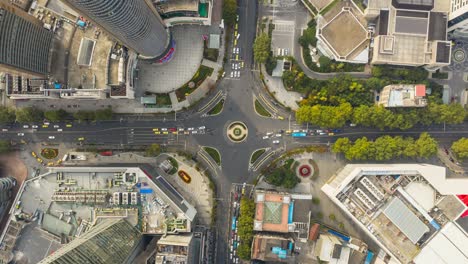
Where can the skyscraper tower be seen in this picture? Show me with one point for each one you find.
(6, 184)
(135, 23)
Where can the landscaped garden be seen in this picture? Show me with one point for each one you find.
(283, 175)
(163, 100)
(237, 132)
(175, 165)
(202, 73)
(256, 155)
(49, 153)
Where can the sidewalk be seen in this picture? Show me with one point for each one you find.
(276, 87)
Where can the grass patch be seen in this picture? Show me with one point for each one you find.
(217, 108)
(440, 75)
(214, 153)
(202, 73)
(49, 153)
(329, 7)
(283, 175)
(256, 155)
(175, 165)
(163, 100)
(261, 110)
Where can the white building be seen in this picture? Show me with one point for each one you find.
(410, 210)
(458, 18)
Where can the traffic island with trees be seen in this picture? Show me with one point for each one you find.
(460, 148)
(283, 175)
(386, 148)
(245, 227)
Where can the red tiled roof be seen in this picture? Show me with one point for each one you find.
(420, 90)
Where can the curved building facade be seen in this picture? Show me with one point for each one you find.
(132, 22)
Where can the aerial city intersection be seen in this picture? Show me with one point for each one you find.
(233, 131)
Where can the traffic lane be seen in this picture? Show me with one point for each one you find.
(247, 11)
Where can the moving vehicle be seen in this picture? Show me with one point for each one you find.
(352, 125)
(233, 225)
(278, 135)
(34, 154)
(68, 125)
(202, 127)
(81, 138)
(45, 126)
(51, 137)
(4, 129)
(59, 130)
(21, 134)
(163, 129)
(155, 129)
(232, 74)
(299, 134)
(157, 133)
(56, 126)
(25, 126)
(276, 141)
(35, 126)
(266, 137)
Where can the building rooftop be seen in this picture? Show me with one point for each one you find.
(402, 207)
(334, 33)
(403, 95)
(67, 201)
(272, 249)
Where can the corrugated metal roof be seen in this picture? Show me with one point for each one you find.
(405, 220)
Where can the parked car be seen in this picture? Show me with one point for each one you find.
(25, 126)
(51, 137)
(276, 141)
(21, 134)
(266, 137)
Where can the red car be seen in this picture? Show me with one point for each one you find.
(173, 129)
(236, 196)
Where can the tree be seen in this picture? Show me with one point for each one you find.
(245, 227)
(460, 148)
(84, 115)
(56, 115)
(325, 62)
(341, 145)
(103, 114)
(7, 115)
(153, 150)
(29, 115)
(426, 145)
(5, 146)
(230, 12)
(261, 48)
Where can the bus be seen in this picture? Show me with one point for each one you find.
(299, 134)
(233, 226)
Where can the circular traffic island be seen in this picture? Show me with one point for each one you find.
(49, 153)
(237, 132)
(304, 170)
(459, 55)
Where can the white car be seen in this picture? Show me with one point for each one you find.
(237, 74)
(51, 137)
(237, 50)
(35, 126)
(202, 127)
(234, 50)
(319, 131)
(232, 74)
(278, 135)
(181, 129)
(59, 130)
(276, 141)
(269, 133)
(164, 129)
(352, 125)
(190, 128)
(194, 132)
(5, 129)
(266, 137)
(296, 130)
(21, 134)
(25, 126)
(56, 126)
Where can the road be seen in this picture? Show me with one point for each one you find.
(239, 106)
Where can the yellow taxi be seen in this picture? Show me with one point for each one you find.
(280, 118)
(155, 129)
(165, 132)
(236, 26)
(68, 125)
(175, 132)
(81, 138)
(34, 154)
(39, 160)
(157, 133)
(45, 126)
(186, 132)
(58, 162)
(50, 163)
(288, 131)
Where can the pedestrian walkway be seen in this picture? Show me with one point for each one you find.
(276, 87)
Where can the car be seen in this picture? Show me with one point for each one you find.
(237, 74)
(194, 132)
(39, 160)
(46, 123)
(269, 133)
(305, 130)
(81, 139)
(276, 141)
(157, 132)
(45, 126)
(202, 127)
(25, 126)
(352, 125)
(230, 256)
(59, 130)
(190, 128)
(5, 129)
(21, 134)
(322, 133)
(237, 18)
(163, 129)
(242, 64)
(34, 154)
(181, 129)
(288, 131)
(165, 132)
(175, 132)
(237, 50)
(186, 132)
(331, 133)
(296, 131)
(35, 126)
(51, 137)
(234, 50)
(266, 137)
(280, 118)
(172, 129)
(56, 126)
(68, 125)
(232, 74)
(336, 130)
(319, 131)
(155, 129)
(236, 195)
(50, 163)
(278, 135)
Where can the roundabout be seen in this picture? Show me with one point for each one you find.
(237, 132)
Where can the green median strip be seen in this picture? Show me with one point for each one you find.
(217, 108)
(260, 109)
(214, 154)
(256, 155)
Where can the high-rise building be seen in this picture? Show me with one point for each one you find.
(111, 241)
(458, 17)
(25, 45)
(135, 23)
(6, 184)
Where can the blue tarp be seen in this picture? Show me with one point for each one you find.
(435, 224)
(146, 191)
(333, 232)
(370, 256)
(81, 23)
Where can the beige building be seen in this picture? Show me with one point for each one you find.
(410, 32)
(403, 95)
(174, 249)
